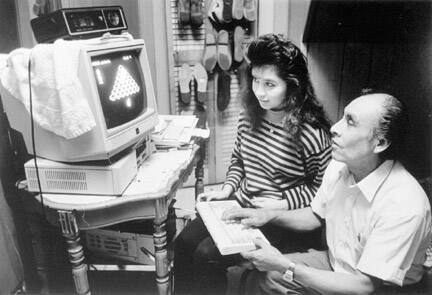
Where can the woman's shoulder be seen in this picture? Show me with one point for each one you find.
(243, 121)
(244, 118)
(314, 127)
(314, 138)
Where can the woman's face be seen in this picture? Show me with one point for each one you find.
(268, 87)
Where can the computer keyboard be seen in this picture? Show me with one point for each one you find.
(428, 262)
(236, 231)
(232, 236)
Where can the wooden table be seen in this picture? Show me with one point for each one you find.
(141, 200)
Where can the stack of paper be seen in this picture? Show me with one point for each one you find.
(174, 131)
(156, 171)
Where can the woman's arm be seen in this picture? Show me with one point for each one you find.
(316, 156)
(222, 194)
(235, 171)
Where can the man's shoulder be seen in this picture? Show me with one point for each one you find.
(401, 179)
(403, 190)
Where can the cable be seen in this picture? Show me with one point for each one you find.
(33, 137)
(341, 77)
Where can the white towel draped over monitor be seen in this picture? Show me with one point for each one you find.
(59, 104)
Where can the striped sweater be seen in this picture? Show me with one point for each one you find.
(266, 163)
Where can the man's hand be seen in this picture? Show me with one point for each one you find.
(268, 203)
(249, 217)
(266, 257)
(213, 195)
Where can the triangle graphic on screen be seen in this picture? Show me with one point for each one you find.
(124, 85)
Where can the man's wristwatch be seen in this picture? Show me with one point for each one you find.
(289, 273)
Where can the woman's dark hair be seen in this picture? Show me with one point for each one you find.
(300, 103)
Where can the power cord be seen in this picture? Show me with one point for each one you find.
(33, 137)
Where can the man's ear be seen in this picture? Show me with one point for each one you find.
(382, 145)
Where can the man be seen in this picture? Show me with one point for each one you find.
(378, 220)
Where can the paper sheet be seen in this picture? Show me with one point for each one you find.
(156, 171)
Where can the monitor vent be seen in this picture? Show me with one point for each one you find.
(66, 185)
(32, 183)
(65, 175)
(31, 173)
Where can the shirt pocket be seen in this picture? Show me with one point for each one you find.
(361, 239)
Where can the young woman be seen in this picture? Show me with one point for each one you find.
(280, 154)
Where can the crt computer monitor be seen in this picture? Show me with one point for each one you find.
(116, 80)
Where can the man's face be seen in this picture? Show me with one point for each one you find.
(353, 141)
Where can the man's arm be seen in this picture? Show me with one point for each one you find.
(268, 258)
(298, 220)
(330, 282)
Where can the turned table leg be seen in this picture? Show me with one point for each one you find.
(75, 250)
(163, 275)
(199, 171)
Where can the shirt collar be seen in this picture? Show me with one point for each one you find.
(370, 185)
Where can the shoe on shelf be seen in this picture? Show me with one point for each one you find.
(227, 11)
(215, 11)
(196, 14)
(184, 78)
(188, 55)
(223, 90)
(237, 9)
(210, 52)
(239, 34)
(201, 78)
(250, 10)
(184, 11)
(224, 58)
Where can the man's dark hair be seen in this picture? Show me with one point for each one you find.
(392, 126)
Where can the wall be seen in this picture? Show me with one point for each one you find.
(287, 17)
(8, 26)
(146, 20)
(11, 268)
(340, 70)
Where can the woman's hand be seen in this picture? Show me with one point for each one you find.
(213, 195)
(268, 203)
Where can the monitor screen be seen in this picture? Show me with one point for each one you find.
(120, 85)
